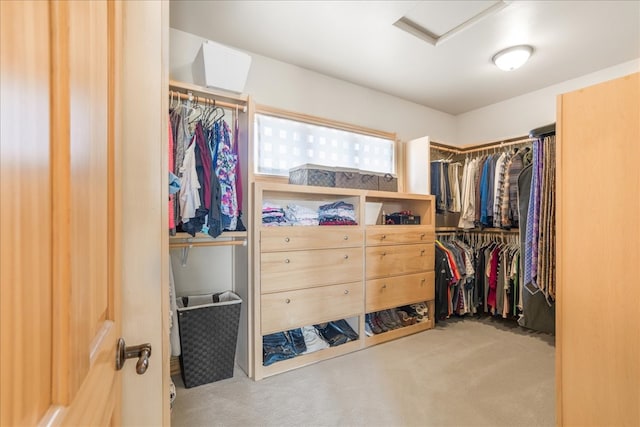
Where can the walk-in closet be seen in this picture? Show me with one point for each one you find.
(319, 213)
(338, 298)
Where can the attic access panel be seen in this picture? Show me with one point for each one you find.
(438, 21)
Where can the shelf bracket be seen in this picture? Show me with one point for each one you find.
(185, 255)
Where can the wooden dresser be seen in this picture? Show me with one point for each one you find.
(399, 271)
(306, 275)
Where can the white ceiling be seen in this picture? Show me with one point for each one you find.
(356, 41)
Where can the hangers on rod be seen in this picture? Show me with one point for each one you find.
(186, 94)
(198, 110)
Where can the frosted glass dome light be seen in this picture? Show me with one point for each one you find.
(513, 57)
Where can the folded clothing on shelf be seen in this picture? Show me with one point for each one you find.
(337, 213)
(336, 332)
(288, 344)
(273, 215)
(300, 215)
(282, 346)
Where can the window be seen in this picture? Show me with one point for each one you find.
(282, 144)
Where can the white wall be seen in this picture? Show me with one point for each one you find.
(517, 116)
(278, 84)
(207, 270)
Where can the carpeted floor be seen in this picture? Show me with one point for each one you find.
(462, 373)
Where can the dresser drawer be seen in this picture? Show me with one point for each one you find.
(399, 290)
(293, 309)
(281, 271)
(296, 238)
(398, 234)
(384, 261)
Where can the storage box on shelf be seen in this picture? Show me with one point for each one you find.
(307, 275)
(341, 177)
(354, 178)
(309, 174)
(387, 182)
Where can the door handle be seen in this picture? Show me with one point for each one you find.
(142, 352)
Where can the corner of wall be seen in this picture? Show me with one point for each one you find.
(517, 116)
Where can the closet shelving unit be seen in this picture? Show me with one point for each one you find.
(400, 261)
(237, 241)
(459, 153)
(306, 275)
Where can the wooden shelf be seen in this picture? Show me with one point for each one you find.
(204, 236)
(398, 333)
(308, 359)
(476, 230)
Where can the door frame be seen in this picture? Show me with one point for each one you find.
(144, 179)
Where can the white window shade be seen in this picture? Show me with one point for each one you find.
(282, 144)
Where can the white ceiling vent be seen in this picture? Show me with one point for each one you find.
(437, 21)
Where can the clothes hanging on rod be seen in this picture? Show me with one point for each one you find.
(477, 273)
(205, 158)
(536, 187)
(445, 185)
(489, 189)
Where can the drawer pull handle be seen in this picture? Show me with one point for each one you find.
(346, 291)
(384, 236)
(287, 300)
(287, 261)
(286, 239)
(422, 236)
(422, 252)
(384, 286)
(423, 281)
(346, 257)
(346, 237)
(384, 254)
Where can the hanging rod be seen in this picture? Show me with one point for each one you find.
(501, 145)
(191, 97)
(473, 148)
(452, 230)
(242, 242)
(443, 147)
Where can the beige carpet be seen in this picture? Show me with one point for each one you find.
(463, 373)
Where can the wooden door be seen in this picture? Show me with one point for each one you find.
(60, 300)
(598, 237)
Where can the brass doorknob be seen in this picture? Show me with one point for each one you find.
(142, 352)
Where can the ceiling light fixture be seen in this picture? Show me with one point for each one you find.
(513, 57)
